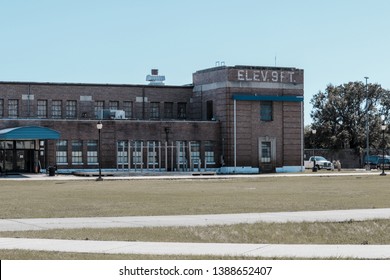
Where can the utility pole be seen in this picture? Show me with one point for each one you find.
(367, 130)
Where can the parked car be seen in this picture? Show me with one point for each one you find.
(372, 160)
(321, 163)
(383, 164)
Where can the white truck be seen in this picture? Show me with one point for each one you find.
(320, 163)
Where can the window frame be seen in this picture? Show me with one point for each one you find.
(168, 110)
(128, 108)
(154, 110)
(56, 109)
(13, 108)
(42, 109)
(71, 109)
(92, 152)
(77, 152)
(182, 110)
(266, 111)
(62, 152)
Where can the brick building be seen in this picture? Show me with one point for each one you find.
(229, 117)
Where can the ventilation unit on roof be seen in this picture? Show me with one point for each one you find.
(155, 78)
(109, 114)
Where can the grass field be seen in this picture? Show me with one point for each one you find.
(47, 199)
(86, 198)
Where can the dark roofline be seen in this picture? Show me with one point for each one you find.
(93, 84)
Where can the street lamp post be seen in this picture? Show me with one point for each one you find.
(99, 127)
(367, 131)
(383, 128)
(314, 156)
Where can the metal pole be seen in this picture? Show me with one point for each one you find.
(367, 131)
(100, 159)
(235, 133)
(383, 149)
(302, 140)
(99, 126)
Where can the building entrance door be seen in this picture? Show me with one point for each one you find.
(267, 154)
(14, 159)
(23, 161)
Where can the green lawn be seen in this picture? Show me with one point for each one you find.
(47, 199)
(86, 198)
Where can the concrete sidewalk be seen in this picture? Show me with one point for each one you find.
(194, 220)
(216, 249)
(182, 175)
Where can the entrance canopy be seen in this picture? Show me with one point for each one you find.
(29, 133)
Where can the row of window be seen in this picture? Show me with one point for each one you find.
(76, 152)
(266, 109)
(56, 107)
(142, 153)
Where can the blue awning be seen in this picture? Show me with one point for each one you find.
(284, 98)
(29, 133)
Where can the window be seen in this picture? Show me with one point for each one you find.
(128, 108)
(137, 153)
(122, 152)
(1, 108)
(195, 152)
(13, 108)
(99, 107)
(209, 110)
(8, 145)
(266, 152)
(152, 152)
(114, 105)
(22, 145)
(266, 111)
(181, 110)
(154, 110)
(71, 109)
(92, 152)
(168, 110)
(42, 109)
(209, 152)
(62, 152)
(77, 152)
(181, 152)
(56, 109)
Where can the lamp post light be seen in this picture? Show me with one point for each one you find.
(314, 156)
(99, 127)
(383, 128)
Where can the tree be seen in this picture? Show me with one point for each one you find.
(340, 114)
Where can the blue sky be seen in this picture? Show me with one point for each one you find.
(119, 41)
